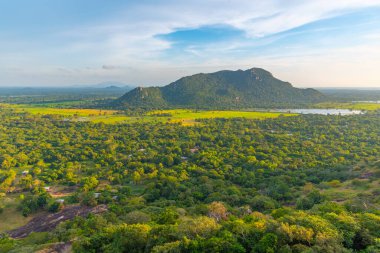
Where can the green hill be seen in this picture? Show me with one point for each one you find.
(223, 89)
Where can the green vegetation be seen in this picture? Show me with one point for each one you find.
(10, 216)
(63, 112)
(221, 90)
(189, 117)
(348, 95)
(185, 117)
(306, 183)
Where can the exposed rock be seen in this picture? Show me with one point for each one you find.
(44, 223)
(61, 247)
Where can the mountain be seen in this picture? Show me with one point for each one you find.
(223, 89)
(110, 84)
(112, 87)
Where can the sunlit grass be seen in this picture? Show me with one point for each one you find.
(112, 119)
(12, 218)
(186, 117)
(64, 112)
(189, 117)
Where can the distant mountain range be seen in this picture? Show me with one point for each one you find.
(112, 85)
(254, 87)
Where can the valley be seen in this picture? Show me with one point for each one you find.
(96, 175)
(202, 178)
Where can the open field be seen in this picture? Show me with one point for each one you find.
(12, 218)
(183, 116)
(64, 112)
(352, 106)
(189, 117)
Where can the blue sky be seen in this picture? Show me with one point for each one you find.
(153, 42)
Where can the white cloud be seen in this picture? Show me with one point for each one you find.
(129, 40)
(132, 33)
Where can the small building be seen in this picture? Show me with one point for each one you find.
(61, 201)
(25, 172)
(184, 158)
(115, 197)
(96, 194)
(47, 188)
(195, 149)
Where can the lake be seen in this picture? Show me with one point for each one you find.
(370, 102)
(322, 111)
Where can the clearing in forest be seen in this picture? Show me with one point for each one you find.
(186, 117)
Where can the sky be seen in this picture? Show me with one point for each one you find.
(314, 43)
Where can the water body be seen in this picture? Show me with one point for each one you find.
(370, 102)
(322, 111)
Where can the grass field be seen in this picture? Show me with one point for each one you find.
(352, 106)
(65, 112)
(189, 117)
(11, 218)
(184, 116)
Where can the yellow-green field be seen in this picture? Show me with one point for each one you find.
(184, 116)
(352, 106)
(189, 117)
(64, 112)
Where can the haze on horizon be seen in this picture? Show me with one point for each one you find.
(154, 42)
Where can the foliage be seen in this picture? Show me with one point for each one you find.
(224, 89)
(225, 185)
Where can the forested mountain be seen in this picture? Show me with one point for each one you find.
(224, 89)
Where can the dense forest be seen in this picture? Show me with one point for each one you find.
(308, 183)
(225, 89)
